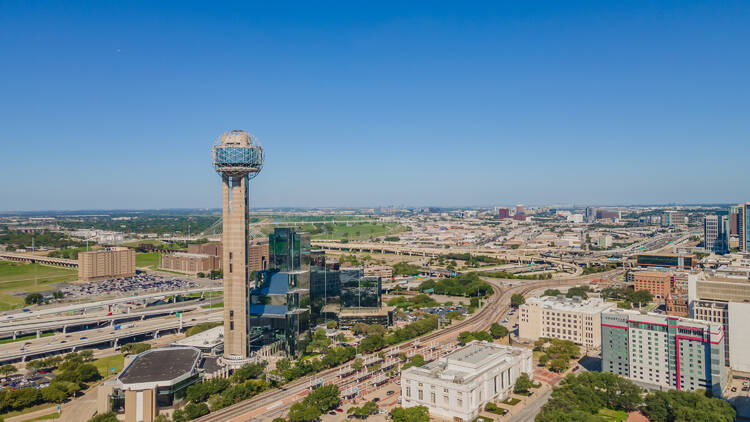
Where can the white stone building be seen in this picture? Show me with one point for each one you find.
(457, 386)
(566, 319)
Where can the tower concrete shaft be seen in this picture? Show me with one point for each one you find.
(235, 216)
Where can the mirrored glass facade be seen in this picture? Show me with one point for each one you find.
(279, 308)
(358, 291)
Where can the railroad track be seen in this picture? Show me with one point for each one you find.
(482, 320)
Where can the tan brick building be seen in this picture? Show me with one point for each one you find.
(190, 263)
(106, 263)
(257, 255)
(659, 284)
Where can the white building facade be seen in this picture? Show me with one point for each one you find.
(457, 386)
(566, 319)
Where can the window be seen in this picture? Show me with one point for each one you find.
(420, 394)
(408, 391)
(432, 398)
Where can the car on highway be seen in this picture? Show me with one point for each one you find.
(84, 338)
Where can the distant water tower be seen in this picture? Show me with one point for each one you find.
(237, 157)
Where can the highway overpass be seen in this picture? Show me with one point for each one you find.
(107, 337)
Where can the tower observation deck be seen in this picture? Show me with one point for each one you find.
(238, 157)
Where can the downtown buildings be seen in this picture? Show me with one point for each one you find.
(739, 225)
(664, 352)
(716, 234)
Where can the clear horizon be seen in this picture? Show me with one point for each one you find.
(115, 106)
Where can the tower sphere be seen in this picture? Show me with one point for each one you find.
(237, 154)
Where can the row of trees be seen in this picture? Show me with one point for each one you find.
(38, 298)
(580, 291)
(413, 302)
(468, 284)
(218, 393)
(315, 404)
(511, 276)
(580, 398)
(627, 295)
(74, 375)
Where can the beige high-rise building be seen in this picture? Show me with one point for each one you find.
(566, 319)
(258, 255)
(237, 157)
(106, 263)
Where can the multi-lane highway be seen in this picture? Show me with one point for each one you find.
(83, 307)
(106, 336)
(13, 328)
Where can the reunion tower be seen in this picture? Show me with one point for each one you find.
(237, 157)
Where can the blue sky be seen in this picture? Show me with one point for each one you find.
(115, 104)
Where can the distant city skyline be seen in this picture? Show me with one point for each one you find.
(115, 106)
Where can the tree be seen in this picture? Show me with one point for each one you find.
(357, 364)
(52, 394)
(331, 325)
(498, 331)
(543, 359)
(105, 417)
(301, 413)
(579, 398)
(578, 291)
(676, 406)
(7, 369)
(87, 355)
(523, 384)
(411, 414)
(558, 364)
(641, 296)
(196, 410)
(551, 292)
(33, 299)
(319, 342)
(248, 371)
(88, 372)
(134, 348)
(517, 300)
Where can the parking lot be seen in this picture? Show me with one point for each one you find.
(140, 283)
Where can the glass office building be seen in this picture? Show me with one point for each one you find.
(358, 291)
(279, 308)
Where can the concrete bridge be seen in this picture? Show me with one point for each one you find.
(40, 259)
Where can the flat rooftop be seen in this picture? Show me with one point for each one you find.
(556, 303)
(470, 361)
(208, 338)
(160, 365)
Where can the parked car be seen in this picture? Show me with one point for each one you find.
(390, 392)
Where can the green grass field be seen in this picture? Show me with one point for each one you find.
(18, 277)
(613, 415)
(51, 416)
(359, 231)
(147, 260)
(105, 364)
(22, 338)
